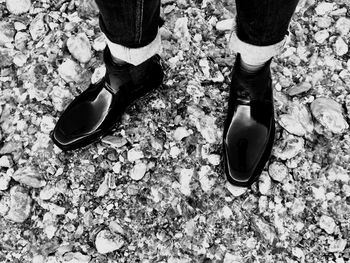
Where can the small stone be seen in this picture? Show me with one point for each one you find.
(182, 33)
(298, 252)
(47, 124)
(341, 48)
(37, 27)
(180, 133)
(117, 167)
(321, 36)
(231, 258)
(278, 171)
(115, 227)
(80, 48)
(75, 257)
(343, 26)
(28, 176)
(114, 141)
(329, 114)
(138, 171)
(288, 147)
(98, 74)
(319, 193)
(20, 26)
(107, 242)
(69, 71)
(99, 43)
(50, 227)
(47, 192)
(134, 155)
(225, 25)
(338, 173)
(20, 205)
(324, 22)
(337, 246)
(87, 8)
(299, 88)
(235, 190)
(5, 57)
(4, 181)
(185, 179)
(19, 59)
(7, 33)
(265, 230)
(214, 159)
(174, 151)
(324, 8)
(205, 181)
(103, 188)
(265, 183)
(327, 223)
(205, 67)
(18, 7)
(6, 161)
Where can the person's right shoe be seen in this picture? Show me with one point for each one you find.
(250, 126)
(95, 112)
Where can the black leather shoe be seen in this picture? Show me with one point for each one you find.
(250, 126)
(95, 112)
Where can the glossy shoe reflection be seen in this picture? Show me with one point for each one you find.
(95, 112)
(250, 126)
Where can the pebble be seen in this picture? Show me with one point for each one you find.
(265, 230)
(341, 48)
(324, 8)
(324, 22)
(47, 124)
(337, 245)
(98, 74)
(138, 171)
(28, 176)
(99, 43)
(225, 25)
(205, 67)
(18, 7)
(174, 151)
(37, 27)
(80, 48)
(185, 179)
(107, 242)
(6, 161)
(298, 252)
(206, 182)
(235, 190)
(180, 133)
(232, 258)
(19, 26)
(69, 71)
(20, 205)
(299, 88)
(59, 97)
(114, 141)
(328, 113)
(182, 33)
(321, 36)
(134, 155)
(343, 26)
(4, 181)
(327, 223)
(288, 147)
(19, 59)
(214, 159)
(50, 227)
(7, 33)
(5, 57)
(298, 121)
(47, 192)
(265, 183)
(75, 257)
(103, 188)
(278, 171)
(115, 227)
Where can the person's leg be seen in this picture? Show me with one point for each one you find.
(131, 28)
(260, 33)
(132, 69)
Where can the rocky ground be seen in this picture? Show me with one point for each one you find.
(154, 190)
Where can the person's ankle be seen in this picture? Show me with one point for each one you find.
(251, 66)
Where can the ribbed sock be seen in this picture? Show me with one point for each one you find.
(251, 67)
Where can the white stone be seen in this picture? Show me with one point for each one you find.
(321, 36)
(80, 48)
(265, 184)
(174, 151)
(288, 147)
(278, 171)
(214, 159)
(205, 181)
(231, 258)
(337, 246)
(47, 124)
(4, 181)
(327, 223)
(18, 7)
(180, 133)
(69, 71)
(99, 43)
(134, 155)
(20, 205)
(138, 171)
(235, 190)
(19, 59)
(205, 67)
(298, 252)
(343, 25)
(103, 188)
(319, 193)
(225, 25)
(341, 48)
(37, 27)
(324, 8)
(28, 176)
(59, 97)
(182, 33)
(98, 74)
(329, 114)
(185, 179)
(75, 257)
(107, 242)
(116, 167)
(5, 161)
(115, 227)
(7, 33)
(47, 192)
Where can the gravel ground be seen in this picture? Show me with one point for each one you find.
(154, 189)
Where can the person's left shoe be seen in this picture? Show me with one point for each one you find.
(250, 126)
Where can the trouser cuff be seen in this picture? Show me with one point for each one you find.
(255, 54)
(135, 56)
